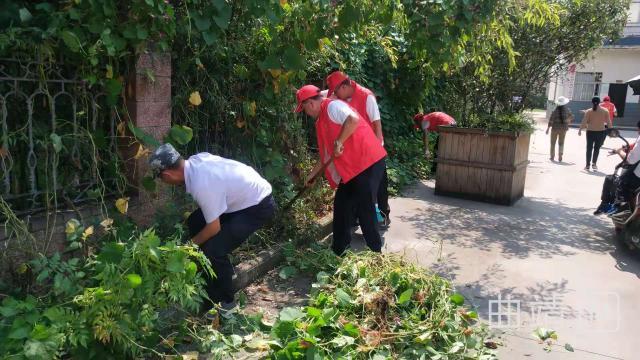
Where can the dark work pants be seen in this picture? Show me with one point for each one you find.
(359, 192)
(235, 228)
(434, 158)
(381, 198)
(627, 185)
(383, 193)
(595, 139)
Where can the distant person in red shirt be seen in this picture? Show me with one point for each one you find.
(430, 123)
(611, 107)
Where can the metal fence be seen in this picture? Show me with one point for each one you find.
(57, 137)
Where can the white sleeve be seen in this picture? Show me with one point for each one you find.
(339, 111)
(634, 155)
(372, 108)
(213, 204)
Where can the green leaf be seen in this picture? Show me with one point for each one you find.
(223, 15)
(405, 296)
(472, 314)
(25, 15)
(287, 272)
(290, 314)
(134, 280)
(44, 6)
(113, 87)
(71, 40)
(351, 329)
(149, 183)
(457, 346)
(191, 268)
(322, 277)
(21, 331)
(314, 312)
(176, 263)
(543, 334)
(209, 37)
(457, 299)
(111, 253)
(342, 341)
(282, 330)
(142, 33)
(236, 340)
(343, 298)
(34, 349)
(181, 134)
(203, 23)
(292, 59)
(142, 136)
(56, 141)
(270, 62)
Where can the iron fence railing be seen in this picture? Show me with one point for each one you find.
(57, 137)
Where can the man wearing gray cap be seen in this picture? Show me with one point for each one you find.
(234, 200)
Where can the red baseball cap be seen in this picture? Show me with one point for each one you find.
(417, 117)
(304, 93)
(334, 79)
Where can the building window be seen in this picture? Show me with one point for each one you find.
(587, 85)
(634, 13)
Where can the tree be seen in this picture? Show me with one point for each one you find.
(543, 51)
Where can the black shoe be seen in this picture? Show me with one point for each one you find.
(602, 208)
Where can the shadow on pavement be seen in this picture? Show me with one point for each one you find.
(533, 227)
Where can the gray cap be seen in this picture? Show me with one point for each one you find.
(165, 156)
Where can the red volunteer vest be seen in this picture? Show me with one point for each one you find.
(361, 150)
(610, 107)
(359, 101)
(436, 119)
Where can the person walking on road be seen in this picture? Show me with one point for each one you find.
(358, 163)
(559, 122)
(234, 202)
(611, 107)
(595, 120)
(364, 101)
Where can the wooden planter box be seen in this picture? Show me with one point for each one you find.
(476, 165)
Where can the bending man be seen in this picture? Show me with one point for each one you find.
(234, 200)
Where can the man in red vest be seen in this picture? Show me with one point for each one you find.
(358, 164)
(429, 123)
(364, 101)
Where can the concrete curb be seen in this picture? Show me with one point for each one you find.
(248, 271)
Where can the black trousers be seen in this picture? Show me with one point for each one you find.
(360, 193)
(595, 139)
(434, 158)
(383, 193)
(627, 185)
(235, 228)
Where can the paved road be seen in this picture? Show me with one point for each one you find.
(547, 254)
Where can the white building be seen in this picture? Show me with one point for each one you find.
(605, 72)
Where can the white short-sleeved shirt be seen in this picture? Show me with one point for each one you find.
(339, 111)
(222, 185)
(372, 106)
(634, 157)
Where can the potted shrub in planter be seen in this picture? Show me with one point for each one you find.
(484, 160)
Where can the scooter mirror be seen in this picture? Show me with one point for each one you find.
(613, 133)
